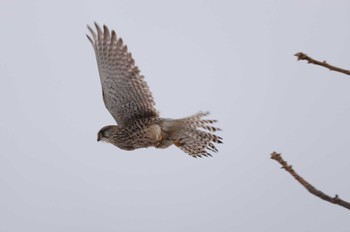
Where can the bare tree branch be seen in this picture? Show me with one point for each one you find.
(308, 186)
(303, 56)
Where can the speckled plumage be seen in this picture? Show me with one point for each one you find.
(127, 97)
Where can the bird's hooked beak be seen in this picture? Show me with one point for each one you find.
(98, 137)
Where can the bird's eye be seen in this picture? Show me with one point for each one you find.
(106, 133)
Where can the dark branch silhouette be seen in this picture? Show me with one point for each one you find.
(303, 56)
(307, 185)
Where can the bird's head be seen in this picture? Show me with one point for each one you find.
(106, 133)
(116, 136)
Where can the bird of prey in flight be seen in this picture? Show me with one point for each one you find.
(128, 98)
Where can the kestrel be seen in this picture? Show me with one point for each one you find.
(127, 97)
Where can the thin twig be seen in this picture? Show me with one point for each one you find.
(303, 56)
(307, 185)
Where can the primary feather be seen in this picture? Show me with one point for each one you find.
(125, 92)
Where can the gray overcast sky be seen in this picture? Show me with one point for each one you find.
(234, 58)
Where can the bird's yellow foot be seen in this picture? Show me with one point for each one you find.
(178, 143)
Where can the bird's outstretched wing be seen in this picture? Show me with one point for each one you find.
(125, 92)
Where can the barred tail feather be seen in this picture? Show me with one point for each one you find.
(195, 135)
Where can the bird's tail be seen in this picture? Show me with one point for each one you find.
(194, 135)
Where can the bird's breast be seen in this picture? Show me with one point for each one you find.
(154, 133)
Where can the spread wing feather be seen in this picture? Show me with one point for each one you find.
(125, 92)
